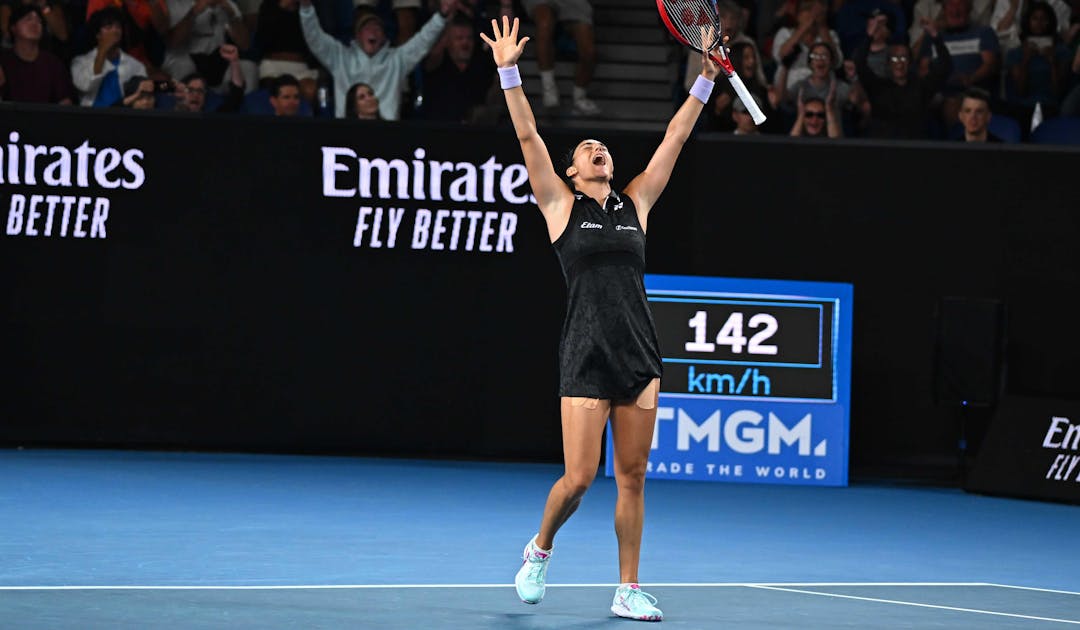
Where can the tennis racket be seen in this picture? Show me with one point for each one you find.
(685, 19)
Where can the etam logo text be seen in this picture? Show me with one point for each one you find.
(744, 432)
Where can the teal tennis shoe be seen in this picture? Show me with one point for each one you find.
(633, 603)
(532, 574)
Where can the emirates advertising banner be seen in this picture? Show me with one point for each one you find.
(238, 282)
(756, 383)
(1031, 450)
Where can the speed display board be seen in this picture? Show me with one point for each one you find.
(756, 380)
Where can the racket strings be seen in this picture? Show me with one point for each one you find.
(690, 16)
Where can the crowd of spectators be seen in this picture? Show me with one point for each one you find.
(832, 68)
(907, 69)
(362, 59)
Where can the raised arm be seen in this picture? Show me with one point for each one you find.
(940, 67)
(326, 49)
(419, 44)
(548, 188)
(646, 187)
(873, 83)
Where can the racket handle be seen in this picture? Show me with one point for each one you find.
(744, 96)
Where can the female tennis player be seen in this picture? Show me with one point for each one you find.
(609, 355)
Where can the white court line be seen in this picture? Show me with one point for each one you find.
(918, 604)
(269, 587)
(1032, 588)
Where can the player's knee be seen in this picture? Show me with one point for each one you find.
(577, 482)
(631, 480)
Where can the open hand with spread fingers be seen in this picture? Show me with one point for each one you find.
(505, 48)
(709, 68)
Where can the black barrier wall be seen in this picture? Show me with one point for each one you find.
(320, 286)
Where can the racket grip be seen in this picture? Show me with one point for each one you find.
(744, 96)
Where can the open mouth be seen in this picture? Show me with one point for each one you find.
(598, 159)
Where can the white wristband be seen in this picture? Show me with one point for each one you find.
(702, 89)
(509, 78)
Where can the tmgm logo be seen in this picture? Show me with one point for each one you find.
(742, 432)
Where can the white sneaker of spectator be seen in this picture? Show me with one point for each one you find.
(551, 97)
(583, 106)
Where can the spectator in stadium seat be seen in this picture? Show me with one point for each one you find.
(975, 115)
(932, 11)
(899, 103)
(845, 98)
(791, 45)
(283, 48)
(406, 15)
(368, 58)
(720, 113)
(817, 118)
(975, 57)
(878, 33)
(744, 122)
(1070, 106)
(99, 74)
(361, 103)
(1037, 70)
(822, 79)
(285, 96)
(191, 91)
(198, 30)
(577, 16)
(146, 24)
(1007, 20)
(457, 77)
(850, 22)
(771, 16)
(138, 94)
(56, 37)
(731, 20)
(1006, 23)
(28, 73)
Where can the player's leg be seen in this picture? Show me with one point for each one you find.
(583, 421)
(632, 425)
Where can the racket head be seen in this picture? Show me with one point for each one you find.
(684, 19)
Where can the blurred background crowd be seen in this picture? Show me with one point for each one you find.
(975, 70)
(987, 70)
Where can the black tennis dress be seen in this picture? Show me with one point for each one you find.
(609, 348)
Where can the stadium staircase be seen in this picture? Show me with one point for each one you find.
(637, 68)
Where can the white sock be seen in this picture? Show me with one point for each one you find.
(547, 79)
(579, 93)
(537, 547)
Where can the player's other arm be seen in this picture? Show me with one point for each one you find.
(646, 187)
(547, 186)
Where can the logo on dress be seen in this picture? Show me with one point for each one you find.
(591, 226)
(625, 227)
